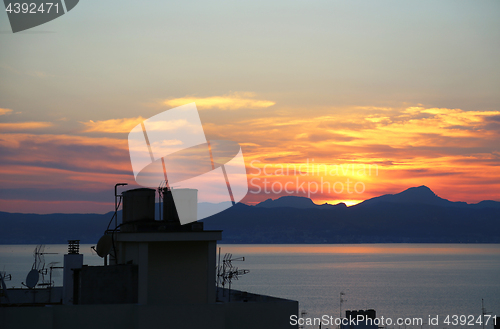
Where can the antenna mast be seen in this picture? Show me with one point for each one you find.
(117, 196)
(228, 272)
(483, 310)
(4, 277)
(340, 303)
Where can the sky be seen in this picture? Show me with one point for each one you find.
(339, 101)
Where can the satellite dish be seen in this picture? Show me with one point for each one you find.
(32, 279)
(104, 245)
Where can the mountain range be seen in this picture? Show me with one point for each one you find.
(416, 215)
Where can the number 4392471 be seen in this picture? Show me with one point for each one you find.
(467, 320)
(32, 8)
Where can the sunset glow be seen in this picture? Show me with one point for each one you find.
(341, 158)
(335, 102)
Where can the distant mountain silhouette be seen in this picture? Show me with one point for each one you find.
(424, 196)
(414, 195)
(294, 202)
(416, 215)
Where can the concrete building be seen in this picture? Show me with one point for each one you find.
(157, 274)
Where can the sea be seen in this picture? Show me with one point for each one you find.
(443, 285)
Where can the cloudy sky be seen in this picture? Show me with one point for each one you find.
(330, 89)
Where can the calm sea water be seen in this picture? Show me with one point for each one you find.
(397, 280)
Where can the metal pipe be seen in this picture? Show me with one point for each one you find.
(116, 203)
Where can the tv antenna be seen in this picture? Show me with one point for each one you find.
(38, 268)
(161, 190)
(118, 200)
(52, 266)
(341, 301)
(226, 272)
(3, 289)
(483, 310)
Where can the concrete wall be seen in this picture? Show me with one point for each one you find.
(241, 315)
(37, 296)
(114, 284)
(172, 271)
(71, 261)
(260, 315)
(181, 272)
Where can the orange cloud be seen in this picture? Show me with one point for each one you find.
(451, 150)
(123, 125)
(56, 165)
(454, 152)
(15, 139)
(231, 101)
(5, 111)
(63, 153)
(20, 126)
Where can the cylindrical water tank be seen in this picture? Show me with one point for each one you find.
(186, 204)
(169, 211)
(138, 205)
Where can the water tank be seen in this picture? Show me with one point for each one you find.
(169, 210)
(186, 204)
(138, 205)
